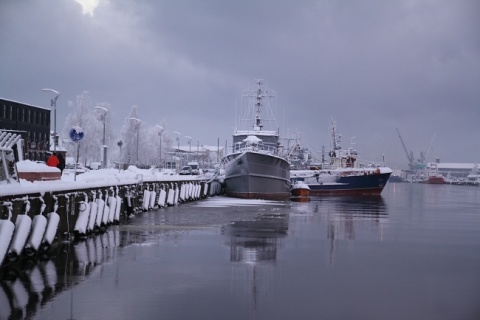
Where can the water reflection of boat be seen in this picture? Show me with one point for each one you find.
(354, 217)
(256, 240)
(255, 243)
(344, 175)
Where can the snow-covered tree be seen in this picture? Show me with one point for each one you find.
(84, 116)
(129, 136)
(153, 135)
(136, 138)
(142, 137)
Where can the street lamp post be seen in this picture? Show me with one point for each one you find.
(189, 141)
(160, 130)
(138, 122)
(53, 103)
(104, 147)
(178, 145)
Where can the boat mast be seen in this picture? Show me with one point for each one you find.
(258, 104)
(335, 137)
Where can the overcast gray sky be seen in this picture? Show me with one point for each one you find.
(373, 66)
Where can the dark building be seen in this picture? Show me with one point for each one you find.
(32, 122)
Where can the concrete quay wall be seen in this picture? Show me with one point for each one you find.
(79, 212)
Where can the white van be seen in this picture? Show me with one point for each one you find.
(195, 167)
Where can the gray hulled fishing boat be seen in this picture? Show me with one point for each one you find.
(255, 168)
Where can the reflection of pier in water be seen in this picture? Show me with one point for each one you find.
(28, 285)
(255, 243)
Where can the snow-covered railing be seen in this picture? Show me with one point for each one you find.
(7, 141)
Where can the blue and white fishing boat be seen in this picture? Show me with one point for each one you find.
(343, 174)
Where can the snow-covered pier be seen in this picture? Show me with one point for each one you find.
(33, 216)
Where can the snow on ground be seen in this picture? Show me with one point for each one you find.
(89, 179)
(34, 166)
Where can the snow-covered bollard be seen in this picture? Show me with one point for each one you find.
(39, 225)
(92, 218)
(23, 224)
(146, 199)
(82, 221)
(153, 196)
(6, 232)
(100, 207)
(112, 203)
(197, 191)
(191, 188)
(171, 196)
(162, 197)
(106, 212)
(183, 192)
(177, 194)
(116, 219)
(190, 191)
(205, 189)
(53, 219)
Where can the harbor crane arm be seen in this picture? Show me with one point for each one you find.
(408, 155)
(429, 146)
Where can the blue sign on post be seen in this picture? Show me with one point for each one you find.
(76, 134)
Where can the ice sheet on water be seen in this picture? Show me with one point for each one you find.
(221, 201)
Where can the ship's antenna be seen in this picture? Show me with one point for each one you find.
(258, 105)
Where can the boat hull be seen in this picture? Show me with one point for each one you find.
(300, 192)
(254, 175)
(435, 180)
(300, 195)
(361, 185)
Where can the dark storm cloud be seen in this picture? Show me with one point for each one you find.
(371, 65)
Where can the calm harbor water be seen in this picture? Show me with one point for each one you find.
(413, 253)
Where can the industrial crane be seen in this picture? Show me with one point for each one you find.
(420, 164)
(407, 154)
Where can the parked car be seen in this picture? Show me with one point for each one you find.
(186, 170)
(71, 168)
(95, 165)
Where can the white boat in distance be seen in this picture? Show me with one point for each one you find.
(255, 168)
